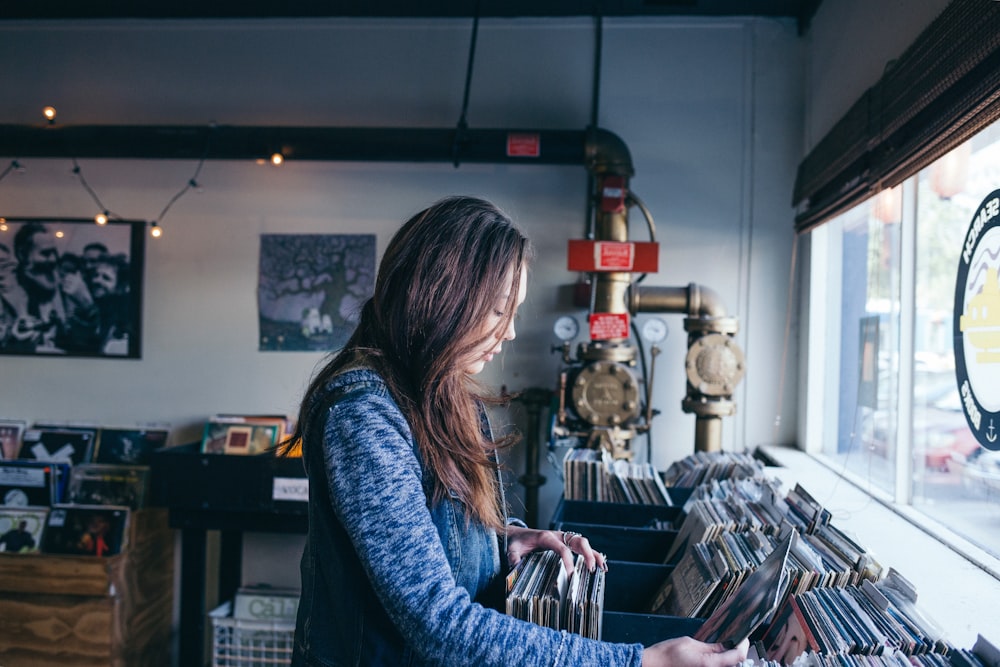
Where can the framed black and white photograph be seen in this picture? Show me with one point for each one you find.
(71, 287)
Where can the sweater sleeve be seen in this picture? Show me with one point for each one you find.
(375, 483)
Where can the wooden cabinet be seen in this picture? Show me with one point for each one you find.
(84, 611)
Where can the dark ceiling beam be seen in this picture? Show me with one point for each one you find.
(801, 10)
(224, 142)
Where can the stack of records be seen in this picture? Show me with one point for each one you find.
(701, 467)
(710, 572)
(872, 619)
(539, 590)
(718, 507)
(593, 475)
(957, 658)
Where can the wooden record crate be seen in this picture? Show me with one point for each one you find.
(84, 611)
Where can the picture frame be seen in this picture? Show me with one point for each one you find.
(71, 287)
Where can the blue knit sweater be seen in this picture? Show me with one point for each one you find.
(388, 579)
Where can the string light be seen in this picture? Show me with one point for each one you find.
(106, 215)
(277, 159)
(3, 224)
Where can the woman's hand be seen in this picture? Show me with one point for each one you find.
(522, 541)
(688, 652)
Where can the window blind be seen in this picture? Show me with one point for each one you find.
(942, 90)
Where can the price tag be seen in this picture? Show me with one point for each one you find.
(290, 488)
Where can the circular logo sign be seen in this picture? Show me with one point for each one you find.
(976, 327)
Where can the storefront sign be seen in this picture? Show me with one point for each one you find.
(976, 325)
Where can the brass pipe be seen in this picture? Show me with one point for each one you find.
(707, 434)
(694, 300)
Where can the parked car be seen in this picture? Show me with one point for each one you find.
(939, 428)
(980, 470)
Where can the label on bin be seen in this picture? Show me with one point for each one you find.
(290, 488)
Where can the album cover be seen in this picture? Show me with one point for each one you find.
(129, 446)
(753, 603)
(21, 528)
(85, 530)
(58, 444)
(11, 431)
(238, 437)
(29, 483)
(105, 484)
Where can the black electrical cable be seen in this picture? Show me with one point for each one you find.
(14, 164)
(192, 182)
(595, 99)
(646, 388)
(462, 123)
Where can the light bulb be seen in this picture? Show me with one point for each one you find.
(3, 224)
(155, 231)
(49, 113)
(60, 234)
(101, 218)
(277, 159)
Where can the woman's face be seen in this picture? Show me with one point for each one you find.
(493, 340)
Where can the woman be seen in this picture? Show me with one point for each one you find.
(405, 503)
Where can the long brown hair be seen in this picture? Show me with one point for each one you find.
(438, 281)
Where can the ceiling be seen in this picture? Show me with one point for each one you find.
(801, 11)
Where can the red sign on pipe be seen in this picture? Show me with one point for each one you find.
(605, 326)
(591, 256)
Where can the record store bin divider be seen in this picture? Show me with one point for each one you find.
(635, 548)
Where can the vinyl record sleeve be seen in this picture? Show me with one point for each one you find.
(129, 446)
(11, 432)
(21, 528)
(27, 483)
(113, 485)
(85, 530)
(58, 445)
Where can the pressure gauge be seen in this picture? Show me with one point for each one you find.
(566, 327)
(654, 330)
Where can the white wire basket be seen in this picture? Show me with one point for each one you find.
(248, 643)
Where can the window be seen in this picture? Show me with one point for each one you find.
(893, 415)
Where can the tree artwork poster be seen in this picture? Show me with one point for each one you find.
(311, 289)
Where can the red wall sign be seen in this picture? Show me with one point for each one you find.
(524, 144)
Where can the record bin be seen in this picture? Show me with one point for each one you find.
(616, 514)
(184, 478)
(628, 593)
(646, 629)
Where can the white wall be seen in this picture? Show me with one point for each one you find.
(710, 109)
(850, 45)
